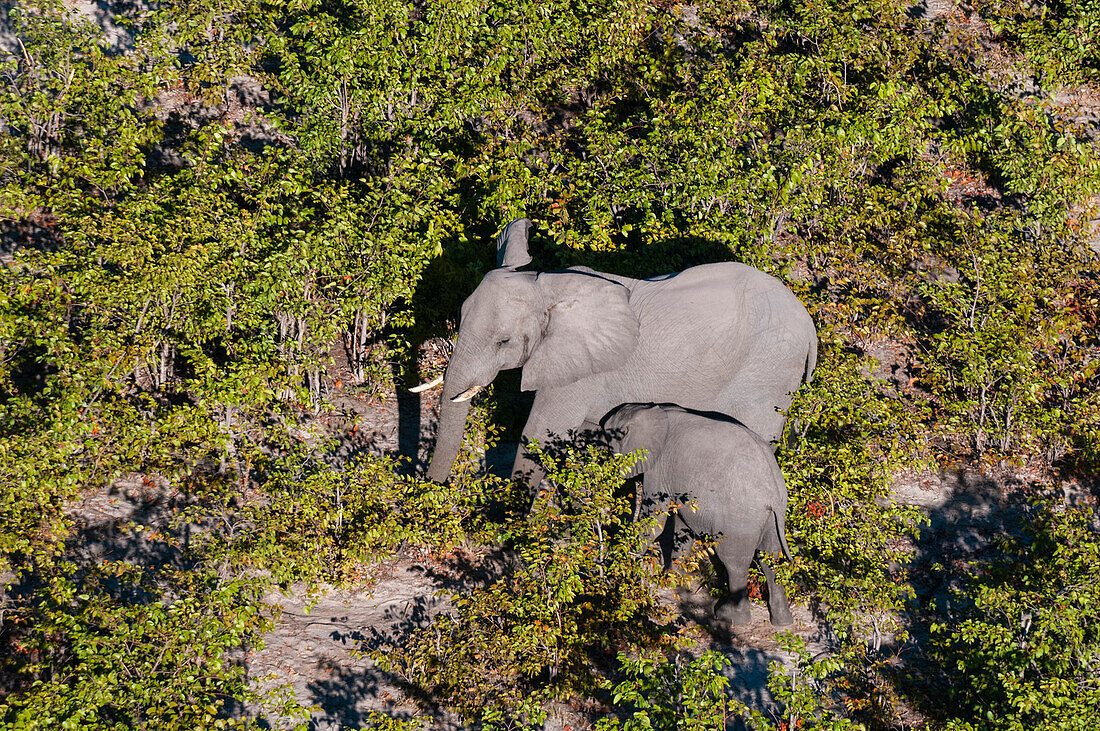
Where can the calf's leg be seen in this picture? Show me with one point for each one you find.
(779, 610)
(733, 556)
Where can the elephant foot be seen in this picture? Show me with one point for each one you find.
(780, 616)
(733, 612)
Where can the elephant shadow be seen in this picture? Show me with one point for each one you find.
(747, 674)
(967, 516)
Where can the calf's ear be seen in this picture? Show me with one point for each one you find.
(648, 429)
(644, 427)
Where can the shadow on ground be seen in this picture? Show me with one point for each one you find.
(967, 513)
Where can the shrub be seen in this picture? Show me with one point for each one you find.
(1023, 650)
(847, 534)
(580, 586)
(657, 693)
(121, 647)
(315, 524)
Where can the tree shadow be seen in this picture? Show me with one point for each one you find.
(459, 572)
(409, 423)
(748, 682)
(349, 697)
(131, 522)
(967, 513)
(37, 232)
(350, 693)
(127, 548)
(965, 526)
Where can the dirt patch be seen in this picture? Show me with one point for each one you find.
(318, 649)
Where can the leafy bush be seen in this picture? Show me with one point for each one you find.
(216, 213)
(846, 533)
(580, 586)
(1059, 38)
(120, 647)
(1024, 649)
(658, 693)
(807, 689)
(684, 692)
(316, 524)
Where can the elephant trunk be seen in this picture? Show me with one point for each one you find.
(454, 406)
(452, 422)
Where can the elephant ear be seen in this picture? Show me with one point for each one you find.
(642, 427)
(512, 244)
(647, 428)
(588, 327)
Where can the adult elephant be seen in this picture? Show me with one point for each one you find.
(718, 337)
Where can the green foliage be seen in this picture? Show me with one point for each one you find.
(311, 523)
(244, 197)
(846, 533)
(684, 692)
(1059, 38)
(378, 721)
(580, 585)
(71, 110)
(119, 647)
(1024, 650)
(803, 689)
(662, 694)
(989, 359)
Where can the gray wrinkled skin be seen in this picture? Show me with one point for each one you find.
(732, 476)
(719, 337)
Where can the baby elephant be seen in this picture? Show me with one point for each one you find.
(731, 474)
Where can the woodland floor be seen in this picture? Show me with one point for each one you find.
(318, 648)
(319, 652)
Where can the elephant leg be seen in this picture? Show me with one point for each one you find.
(779, 609)
(554, 414)
(664, 535)
(675, 538)
(732, 558)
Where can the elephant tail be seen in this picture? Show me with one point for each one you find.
(811, 361)
(781, 532)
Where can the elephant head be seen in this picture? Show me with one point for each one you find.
(558, 326)
(636, 426)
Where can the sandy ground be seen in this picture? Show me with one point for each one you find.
(319, 647)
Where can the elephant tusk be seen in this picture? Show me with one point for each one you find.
(468, 394)
(425, 386)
